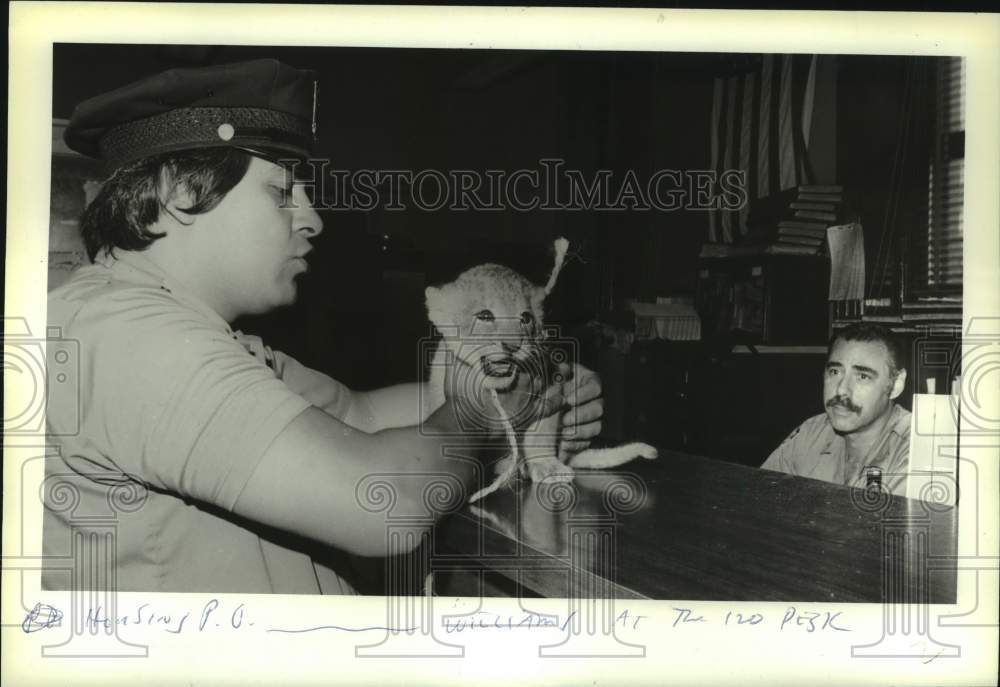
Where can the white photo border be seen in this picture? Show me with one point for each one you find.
(765, 654)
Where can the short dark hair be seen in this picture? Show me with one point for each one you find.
(131, 199)
(864, 331)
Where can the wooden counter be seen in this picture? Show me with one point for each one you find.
(684, 527)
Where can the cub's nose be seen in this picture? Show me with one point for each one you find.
(511, 346)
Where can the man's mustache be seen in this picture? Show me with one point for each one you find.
(843, 402)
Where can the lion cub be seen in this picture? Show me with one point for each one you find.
(491, 320)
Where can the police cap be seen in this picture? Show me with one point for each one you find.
(261, 106)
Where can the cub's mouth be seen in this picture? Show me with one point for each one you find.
(498, 366)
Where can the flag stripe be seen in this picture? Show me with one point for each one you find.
(746, 141)
(764, 129)
(717, 95)
(720, 160)
(800, 100)
(808, 101)
(786, 141)
(731, 93)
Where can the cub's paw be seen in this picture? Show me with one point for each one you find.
(646, 451)
(549, 468)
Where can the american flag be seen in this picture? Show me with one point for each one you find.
(762, 117)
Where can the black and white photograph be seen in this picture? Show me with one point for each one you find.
(680, 235)
(428, 324)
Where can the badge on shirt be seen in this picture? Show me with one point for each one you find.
(873, 477)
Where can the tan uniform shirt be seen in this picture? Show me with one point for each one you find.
(815, 450)
(174, 412)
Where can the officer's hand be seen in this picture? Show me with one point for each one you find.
(581, 420)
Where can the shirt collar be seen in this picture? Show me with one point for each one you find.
(136, 267)
(898, 423)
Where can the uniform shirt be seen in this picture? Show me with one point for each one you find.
(815, 450)
(174, 412)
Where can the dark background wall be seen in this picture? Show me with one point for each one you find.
(477, 110)
(360, 316)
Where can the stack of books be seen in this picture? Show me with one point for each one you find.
(932, 310)
(923, 312)
(880, 310)
(814, 209)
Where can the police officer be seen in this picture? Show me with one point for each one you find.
(237, 451)
(864, 435)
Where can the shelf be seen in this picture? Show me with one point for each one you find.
(806, 350)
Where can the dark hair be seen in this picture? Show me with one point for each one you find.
(131, 199)
(862, 331)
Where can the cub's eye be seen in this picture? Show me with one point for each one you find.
(485, 316)
(527, 319)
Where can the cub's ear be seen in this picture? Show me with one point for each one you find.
(436, 305)
(433, 295)
(538, 303)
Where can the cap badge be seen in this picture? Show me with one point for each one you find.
(226, 131)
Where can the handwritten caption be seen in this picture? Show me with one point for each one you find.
(213, 616)
(792, 618)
